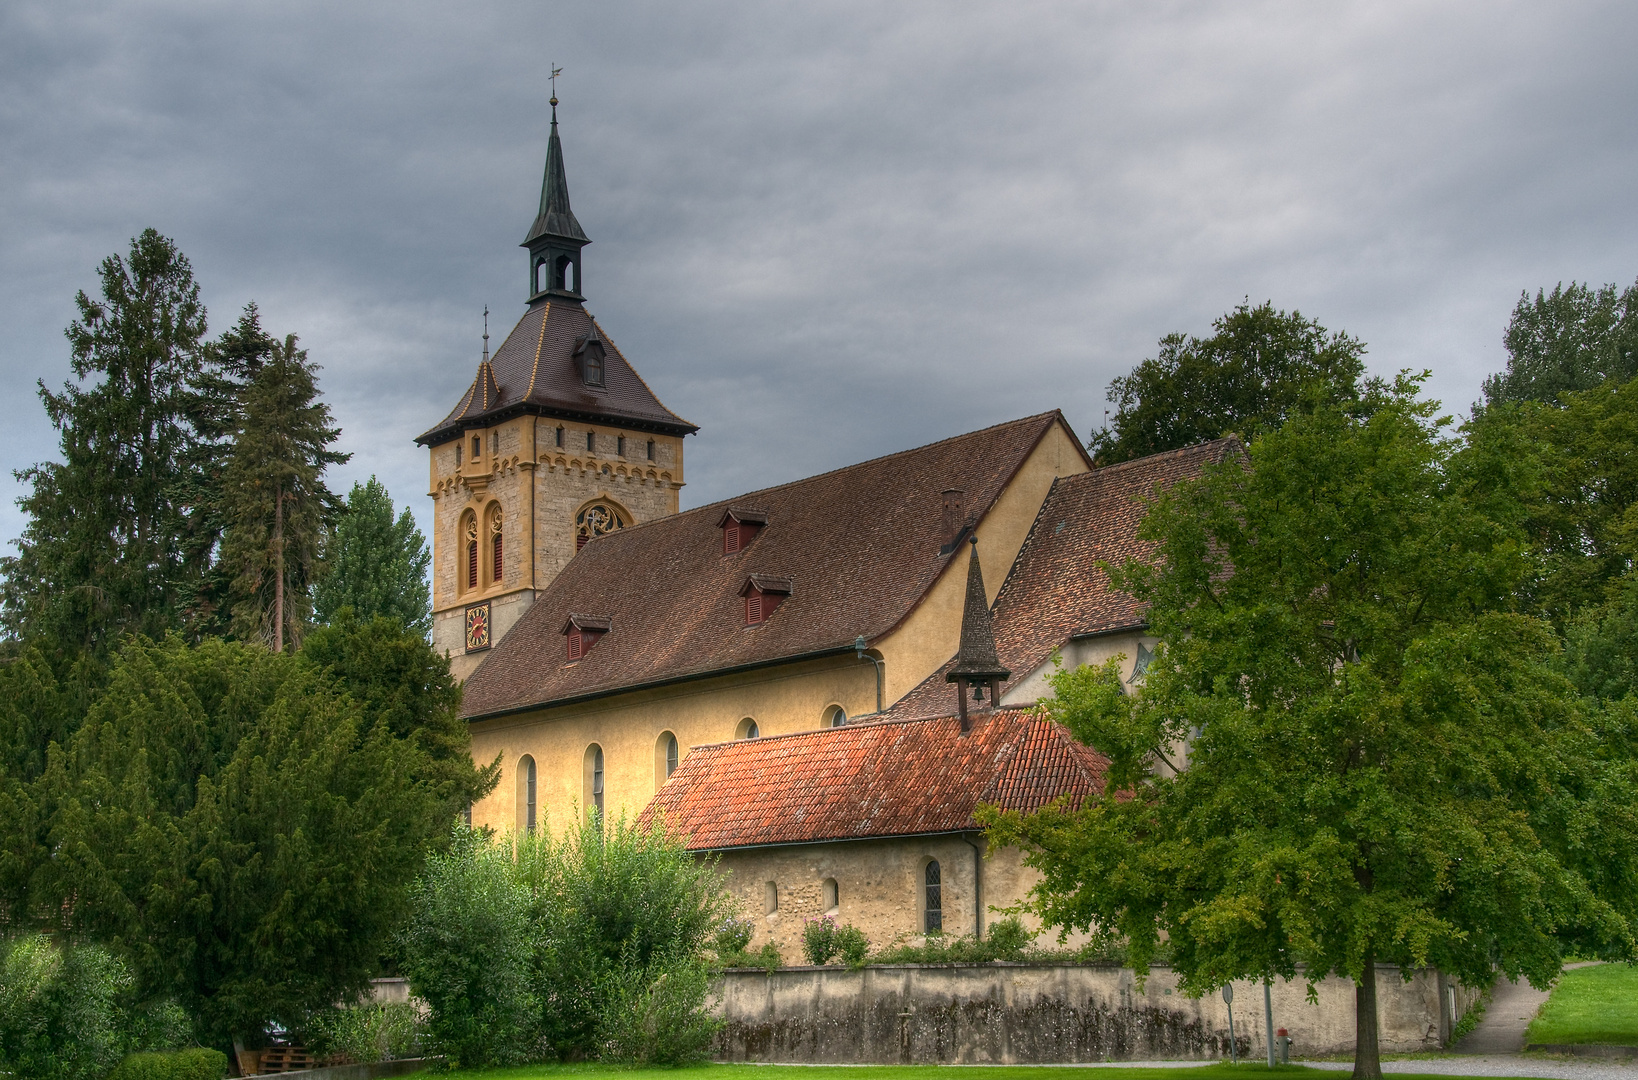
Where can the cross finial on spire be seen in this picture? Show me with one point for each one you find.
(486, 333)
(556, 71)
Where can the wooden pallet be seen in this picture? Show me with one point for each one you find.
(283, 1059)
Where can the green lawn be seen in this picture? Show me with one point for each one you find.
(1246, 1071)
(1591, 1005)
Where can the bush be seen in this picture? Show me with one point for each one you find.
(367, 1033)
(768, 957)
(1009, 939)
(195, 1064)
(852, 946)
(659, 1022)
(62, 1013)
(467, 952)
(733, 937)
(823, 940)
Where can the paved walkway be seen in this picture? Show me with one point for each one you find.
(1502, 1065)
(1512, 1006)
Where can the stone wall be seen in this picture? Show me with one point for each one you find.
(1053, 1013)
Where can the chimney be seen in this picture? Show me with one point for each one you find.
(955, 519)
(977, 664)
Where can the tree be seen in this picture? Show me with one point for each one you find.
(1376, 762)
(375, 565)
(102, 552)
(277, 504)
(241, 826)
(1572, 339)
(1253, 372)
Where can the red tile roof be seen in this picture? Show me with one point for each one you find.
(1056, 589)
(860, 545)
(534, 370)
(889, 778)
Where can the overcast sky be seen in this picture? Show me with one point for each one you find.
(822, 231)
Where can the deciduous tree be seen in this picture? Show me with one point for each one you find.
(1377, 763)
(374, 564)
(1573, 338)
(1255, 369)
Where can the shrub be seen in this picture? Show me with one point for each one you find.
(1009, 939)
(659, 1022)
(852, 946)
(61, 1009)
(819, 939)
(733, 937)
(768, 957)
(467, 953)
(367, 1033)
(195, 1064)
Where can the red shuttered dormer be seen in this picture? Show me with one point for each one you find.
(739, 527)
(580, 633)
(763, 593)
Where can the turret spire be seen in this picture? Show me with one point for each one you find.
(977, 664)
(556, 238)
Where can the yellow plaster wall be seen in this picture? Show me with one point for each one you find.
(789, 698)
(930, 635)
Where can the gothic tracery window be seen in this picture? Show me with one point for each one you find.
(595, 520)
(496, 548)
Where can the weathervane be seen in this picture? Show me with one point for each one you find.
(556, 71)
(486, 333)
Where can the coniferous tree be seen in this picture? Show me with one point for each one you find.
(102, 553)
(276, 504)
(374, 564)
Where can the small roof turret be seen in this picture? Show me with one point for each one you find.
(977, 664)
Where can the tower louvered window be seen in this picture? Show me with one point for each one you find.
(497, 553)
(499, 556)
(470, 539)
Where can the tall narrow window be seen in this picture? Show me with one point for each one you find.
(597, 782)
(833, 896)
(670, 754)
(935, 899)
(477, 448)
(497, 561)
(469, 541)
(457, 455)
(526, 781)
(651, 449)
(591, 441)
(494, 444)
(620, 445)
(559, 438)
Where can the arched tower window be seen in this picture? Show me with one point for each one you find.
(543, 271)
(565, 273)
(747, 729)
(469, 550)
(597, 519)
(933, 912)
(526, 793)
(496, 541)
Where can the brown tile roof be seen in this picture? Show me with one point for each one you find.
(534, 370)
(1056, 590)
(889, 778)
(860, 545)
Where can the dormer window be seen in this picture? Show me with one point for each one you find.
(739, 527)
(763, 594)
(590, 354)
(581, 633)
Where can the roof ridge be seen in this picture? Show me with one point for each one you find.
(540, 343)
(721, 504)
(1159, 455)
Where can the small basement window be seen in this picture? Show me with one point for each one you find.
(581, 632)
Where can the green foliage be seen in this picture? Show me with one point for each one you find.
(852, 947)
(103, 552)
(61, 1009)
(194, 1064)
(733, 936)
(468, 949)
(588, 945)
(1573, 339)
(1258, 367)
(366, 1033)
(277, 507)
(1590, 1005)
(375, 565)
(236, 824)
(823, 941)
(1381, 765)
(768, 957)
(1007, 939)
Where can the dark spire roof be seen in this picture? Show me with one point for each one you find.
(555, 217)
(976, 662)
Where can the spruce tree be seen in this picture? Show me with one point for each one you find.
(374, 564)
(102, 552)
(275, 502)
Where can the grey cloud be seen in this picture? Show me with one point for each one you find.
(822, 231)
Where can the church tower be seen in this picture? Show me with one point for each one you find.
(556, 441)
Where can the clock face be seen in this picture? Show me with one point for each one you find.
(477, 627)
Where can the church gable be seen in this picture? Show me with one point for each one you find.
(1057, 589)
(856, 548)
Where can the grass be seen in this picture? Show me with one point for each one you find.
(1218, 1071)
(1590, 1005)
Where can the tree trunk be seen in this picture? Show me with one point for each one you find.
(279, 579)
(1367, 1055)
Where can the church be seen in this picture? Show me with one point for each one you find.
(817, 683)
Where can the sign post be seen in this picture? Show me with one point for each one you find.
(1228, 999)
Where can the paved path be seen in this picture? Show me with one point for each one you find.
(1502, 1065)
(1512, 1006)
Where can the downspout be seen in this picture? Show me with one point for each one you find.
(881, 671)
(978, 889)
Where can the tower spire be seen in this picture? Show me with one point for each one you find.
(555, 239)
